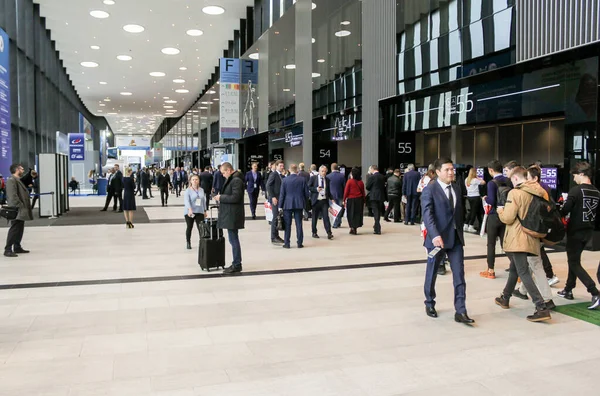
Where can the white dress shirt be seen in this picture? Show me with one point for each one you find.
(445, 189)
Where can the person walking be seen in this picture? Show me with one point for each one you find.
(306, 213)
(292, 199)
(177, 181)
(218, 181)
(195, 208)
(320, 195)
(163, 183)
(117, 182)
(394, 192)
(337, 184)
(273, 192)
(354, 201)
(376, 187)
(232, 214)
(443, 217)
(474, 197)
(206, 182)
(18, 197)
(129, 198)
(409, 190)
(254, 183)
(110, 194)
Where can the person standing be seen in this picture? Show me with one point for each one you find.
(254, 183)
(320, 195)
(443, 218)
(163, 183)
(273, 192)
(117, 182)
(518, 244)
(145, 183)
(196, 208)
(218, 181)
(306, 213)
(232, 213)
(475, 206)
(206, 182)
(292, 199)
(354, 201)
(129, 198)
(337, 184)
(177, 180)
(394, 191)
(376, 188)
(110, 193)
(581, 207)
(35, 187)
(138, 182)
(409, 190)
(150, 181)
(18, 197)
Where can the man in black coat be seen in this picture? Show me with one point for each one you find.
(394, 195)
(273, 192)
(117, 185)
(376, 187)
(206, 182)
(163, 183)
(306, 176)
(232, 213)
(145, 183)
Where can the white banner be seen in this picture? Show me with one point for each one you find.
(132, 143)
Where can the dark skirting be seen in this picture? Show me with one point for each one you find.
(128, 194)
(355, 212)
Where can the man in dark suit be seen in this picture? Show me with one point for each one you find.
(376, 187)
(177, 181)
(254, 183)
(138, 182)
(443, 218)
(163, 183)
(218, 181)
(320, 195)
(206, 182)
(117, 182)
(410, 183)
(273, 192)
(337, 184)
(306, 176)
(292, 199)
(110, 194)
(145, 184)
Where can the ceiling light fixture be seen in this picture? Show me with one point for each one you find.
(212, 92)
(286, 90)
(168, 107)
(99, 14)
(170, 51)
(94, 47)
(103, 83)
(315, 75)
(126, 93)
(89, 64)
(345, 23)
(133, 28)
(182, 91)
(213, 10)
(253, 55)
(289, 67)
(194, 32)
(321, 60)
(343, 33)
(314, 6)
(183, 68)
(107, 100)
(124, 58)
(179, 81)
(170, 101)
(157, 74)
(314, 40)
(109, 2)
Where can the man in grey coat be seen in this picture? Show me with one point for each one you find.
(18, 197)
(232, 215)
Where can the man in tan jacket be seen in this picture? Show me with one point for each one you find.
(518, 244)
(17, 197)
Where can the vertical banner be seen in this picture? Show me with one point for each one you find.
(249, 92)
(229, 101)
(77, 146)
(158, 152)
(5, 133)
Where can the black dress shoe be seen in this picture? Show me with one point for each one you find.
(189, 246)
(377, 232)
(21, 251)
(276, 242)
(232, 270)
(316, 236)
(387, 220)
(431, 312)
(442, 269)
(300, 246)
(463, 318)
(330, 236)
(286, 246)
(10, 254)
(102, 210)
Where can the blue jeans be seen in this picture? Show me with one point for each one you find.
(236, 249)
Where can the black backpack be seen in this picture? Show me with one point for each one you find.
(502, 193)
(543, 221)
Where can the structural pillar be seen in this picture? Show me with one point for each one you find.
(263, 83)
(379, 71)
(303, 76)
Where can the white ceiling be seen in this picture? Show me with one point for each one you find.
(166, 23)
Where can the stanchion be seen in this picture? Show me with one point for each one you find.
(53, 207)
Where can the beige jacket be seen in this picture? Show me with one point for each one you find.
(17, 195)
(517, 204)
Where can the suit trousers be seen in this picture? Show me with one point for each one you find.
(376, 208)
(495, 229)
(411, 208)
(321, 208)
(164, 196)
(274, 232)
(253, 197)
(519, 268)
(287, 218)
(393, 203)
(457, 264)
(15, 235)
(110, 195)
(536, 269)
(575, 246)
(118, 197)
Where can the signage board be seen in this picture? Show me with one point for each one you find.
(249, 95)
(77, 146)
(132, 143)
(549, 176)
(5, 128)
(229, 100)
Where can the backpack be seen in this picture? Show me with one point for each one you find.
(502, 193)
(543, 221)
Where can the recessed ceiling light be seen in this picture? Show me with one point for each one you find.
(182, 91)
(126, 93)
(183, 68)
(212, 92)
(203, 108)
(170, 101)
(289, 67)
(343, 33)
(94, 47)
(168, 107)
(206, 103)
(112, 113)
(286, 90)
(124, 58)
(170, 51)
(213, 10)
(165, 97)
(89, 64)
(216, 99)
(179, 81)
(157, 74)
(315, 75)
(133, 28)
(314, 6)
(109, 2)
(107, 100)
(194, 32)
(103, 83)
(99, 111)
(253, 55)
(314, 40)
(102, 105)
(321, 60)
(99, 14)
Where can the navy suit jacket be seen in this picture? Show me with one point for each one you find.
(438, 217)
(218, 181)
(250, 182)
(313, 188)
(411, 183)
(294, 193)
(337, 185)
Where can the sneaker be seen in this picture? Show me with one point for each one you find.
(472, 229)
(550, 305)
(502, 301)
(567, 294)
(539, 316)
(465, 228)
(488, 274)
(553, 281)
(520, 295)
(595, 302)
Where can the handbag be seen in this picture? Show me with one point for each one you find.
(9, 212)
(280, 224)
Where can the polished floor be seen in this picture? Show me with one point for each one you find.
(97, 309)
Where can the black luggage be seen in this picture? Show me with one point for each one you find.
(211, 252)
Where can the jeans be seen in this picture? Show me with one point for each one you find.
(539, 277)
(519, 267)
(575, 246)
(15, 235)
(495, 229)
(236, 249)
(189, 222)
(394, 203)
(321, 208)
(164, 196)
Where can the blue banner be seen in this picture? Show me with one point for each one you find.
(77, 146)
(5, 132)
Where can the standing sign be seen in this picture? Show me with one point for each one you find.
(77, 146)
(229, 101)
(5, 133)
(249, 92)
(549, 176)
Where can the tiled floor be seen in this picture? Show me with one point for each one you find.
(336, 332)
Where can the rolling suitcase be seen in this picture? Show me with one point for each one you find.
(211, 252)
